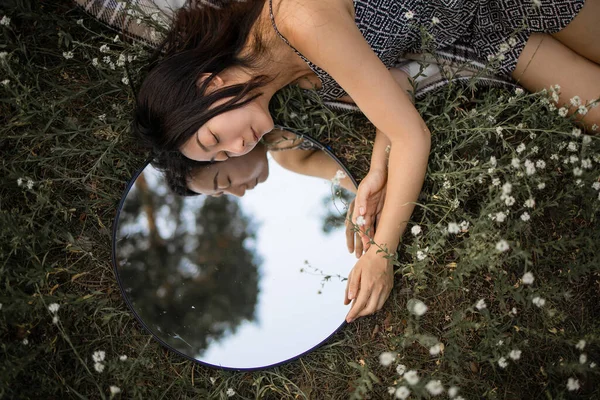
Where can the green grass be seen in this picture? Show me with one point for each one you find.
(55, 240)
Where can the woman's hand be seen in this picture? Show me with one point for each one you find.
(368, 203)
(369, 284)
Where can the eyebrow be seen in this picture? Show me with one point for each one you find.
(215, 186)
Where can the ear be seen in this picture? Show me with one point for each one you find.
(216, 83)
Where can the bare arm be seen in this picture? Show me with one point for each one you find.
(329, 38)
(315, 163)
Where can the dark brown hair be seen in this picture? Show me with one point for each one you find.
(171, 104)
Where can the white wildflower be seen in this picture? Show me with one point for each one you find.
(541, 164)
(453, 391)
(592, 365)
(518, 91)
(506, 188)
(572, 384)
(360, 220)
(409, 15)
(595, 126)
(582, 110)
(391, 390)
(502, 362)
(106, 59)
(411, 377)
(25, 341)
(115, 390)
(541, 185)
(529, 167)
(491, 118)
(421, 255)
(481, 304)
(434, 387)
(577, 171)
(573, 159)
(576, 101)
(104, 48)
(453, 227)
(535, 150)
(79, 21)
(464, 226)
(572, 146)
(53, 308)
(125, 80)
(402, 392)
(99, 367)
(515, 162)
(55, 320)
(493, 161)
(230, 392)
(116, 39)
(512, 42)
(98, 356)
(515, 354)
(123, 357)
(19, 181)
(29, 184)
(500, 343)
(102, 117)
(502, 246)
(415, 230)
(595, 185)
(551, 107)
(5, 21)
(121, 60)
(514, 311)
(5, 82)
(447, 184)
(521, 148)
(435, 349)
(576, 132)
(417, 307)
(525, 216)
(538, 301)
(67, 54)
(527, 278)
(509, 201)
(95, 62)
(586, 163)
(563, 112)
(400, 369)
(582, 358)
(496, 181)
(555, 97)
(435, 20)
(580, 345)
(499, 130)
(455, 203)
(386, 358)
(339, 175)
(537, 3)
(500, 216)
(529, 203)
(112, 66)
(556, 87)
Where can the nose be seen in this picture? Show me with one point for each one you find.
(238, 146)
(238, 190)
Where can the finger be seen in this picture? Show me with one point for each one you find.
(359, 304)
(371, 306)
(350, 228)
(346, 299)
(359, 245)
(353, 283)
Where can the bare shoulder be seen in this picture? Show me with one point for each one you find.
(295, 15)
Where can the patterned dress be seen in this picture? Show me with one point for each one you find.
(493, 28)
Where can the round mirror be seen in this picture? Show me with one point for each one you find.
(248, 274)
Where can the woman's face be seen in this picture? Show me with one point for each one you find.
(230, 134)
(232, 177)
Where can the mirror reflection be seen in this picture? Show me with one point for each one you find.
(248, 269)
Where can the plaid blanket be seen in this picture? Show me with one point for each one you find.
(137, 20)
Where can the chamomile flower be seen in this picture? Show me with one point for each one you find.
(502, 362)
(402, 392)
(538, 301)
(563, 112)
(386, 358)
(527, 278)
(415, 230)
(515, 354)
(572, 384)
(453, 227)
(400, 369)
(502, 246)
(481, 304)
(411, 377)
(434, 387)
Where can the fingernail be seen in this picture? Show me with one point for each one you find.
(362, 211)
(350, 295)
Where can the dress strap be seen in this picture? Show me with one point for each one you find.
(279, 33)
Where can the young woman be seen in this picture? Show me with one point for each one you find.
(209, 98)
